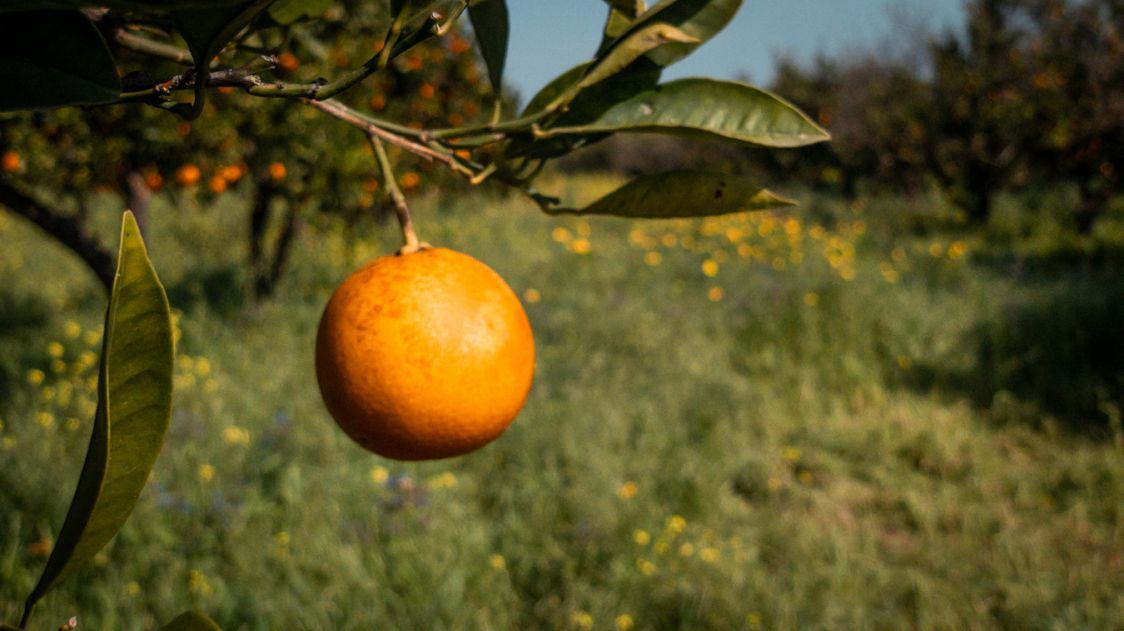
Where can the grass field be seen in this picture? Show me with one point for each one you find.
(846, 416)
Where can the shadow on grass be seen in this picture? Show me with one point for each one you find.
(22, 318)
(219, 289)
(1055, 350)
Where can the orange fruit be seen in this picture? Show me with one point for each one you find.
(288, 62)
(424, 355)
(277, 171)
(10, 162)
(188, 175)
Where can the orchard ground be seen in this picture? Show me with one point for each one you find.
(857, 415)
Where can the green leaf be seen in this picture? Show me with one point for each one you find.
(708, 109)
(289, 11)
(698, 19)
(490, 23)
(552, 90)
(191, 621)
(134, 407)
(681, 194)
(52, 59)
(621, 15)
(207, 31)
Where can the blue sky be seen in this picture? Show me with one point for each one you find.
(549, 36)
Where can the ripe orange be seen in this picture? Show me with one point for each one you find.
(188, 175)
(277, 171)
(10, 162)
(424, 355)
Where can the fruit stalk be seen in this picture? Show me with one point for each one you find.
(401, 208)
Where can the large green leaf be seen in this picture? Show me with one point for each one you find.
(698, 19)
(54, 58)
(723, 110)
(191, 621)
(134, 407)
(490, 23)
(681, 194)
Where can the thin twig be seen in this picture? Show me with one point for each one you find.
(355, 119)
(151, 47)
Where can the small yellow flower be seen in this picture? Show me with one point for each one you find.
(715, 294)
(58, 366)
(676, 524)
(669, 239)
(580, 246)
(7, 443)
(710, 555)
(561, 234)
(497, 562)
(202, 366)
(46, 420)
(624, 622)
(581, 619)
(627, 490)
(710, 268)
(35, 376)
(660, 548)
(532, 295)
(806, 478)
(198, 584)
(641, 537)
(443, 481)
(379, 474)
(206, 472)
(905, 362)
(72, 330)
(281, 539)
(686, 550)
(236, 436)
(646, 567)
(936, 249)
(753, 619)
(87, 359)
(584, 229)
(653, 258)
(54, 349)
(72, 424)
(91, 337)
(790, 455)
(773, 484)
(898, 254)
(847, 273)
(811, 299)
(132, 588)
(957, 249)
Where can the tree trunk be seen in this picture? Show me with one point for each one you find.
(66, 229)
(137, 196)
(259, 219)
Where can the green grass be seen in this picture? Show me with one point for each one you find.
(868, 421)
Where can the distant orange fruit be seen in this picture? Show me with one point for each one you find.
(277, 171)
(188, 175)
(410, 180)
(424, 355)
(153, 180)
(217, 184)
(10, 162)
(288, 62)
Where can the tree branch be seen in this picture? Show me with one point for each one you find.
(68, 230)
